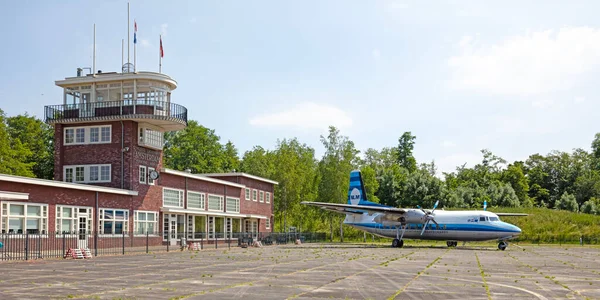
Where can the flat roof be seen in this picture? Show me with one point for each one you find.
(202, 177)
(13, 196)
(114, 76)
(243, 175)
(67, 185)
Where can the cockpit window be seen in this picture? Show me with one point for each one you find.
(494, 219)
(481, 219)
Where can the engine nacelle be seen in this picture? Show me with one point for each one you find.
(412, 216)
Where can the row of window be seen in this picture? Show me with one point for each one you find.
(197, 200)
(87, 135)
(262, 196)
(151, 138)
(33, 218)
(87, 173)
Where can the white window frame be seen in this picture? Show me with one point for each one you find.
(74, 218)
(202, 200)
(141, 178)
(254, 195)
(151, 142)
(261, 197)
(268, 197)
(221, 202)
(101, 221)
(137, 221)
(6, 216)
(247, 193)
(150, 180)
(87, 135)
(236, 206)
(181, 197)
(87, 173)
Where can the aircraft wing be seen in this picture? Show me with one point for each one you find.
(511, 214)
(356, 209)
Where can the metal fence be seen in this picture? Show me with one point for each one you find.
(28, 246)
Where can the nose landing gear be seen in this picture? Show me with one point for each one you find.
(502, 245)
(397, 243)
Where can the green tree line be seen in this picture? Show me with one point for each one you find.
(557, 180)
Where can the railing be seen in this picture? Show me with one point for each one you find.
(28, 246)
(108, 109)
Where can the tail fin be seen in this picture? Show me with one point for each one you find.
(357, 195)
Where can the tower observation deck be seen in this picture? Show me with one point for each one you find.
(101, 97)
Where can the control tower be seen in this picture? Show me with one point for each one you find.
(109, 129)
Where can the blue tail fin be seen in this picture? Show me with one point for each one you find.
(357, 195)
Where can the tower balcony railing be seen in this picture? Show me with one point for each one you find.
(110, 110)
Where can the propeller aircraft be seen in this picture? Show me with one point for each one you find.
(419, 223)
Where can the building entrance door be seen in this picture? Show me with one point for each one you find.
(82, 238)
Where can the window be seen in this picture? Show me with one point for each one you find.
(172, 197)
(247, 194)
(87, 135)
(68, 219)
(261, 198)
(195, 200)
(142, 174)
(150, 180)
(24, 218)
(233, 205)
(151, 138)
(268, 223)
(268, 197)
(215, 202)
(145, 222)
(254, 195)
(113, 221)
(87, 173)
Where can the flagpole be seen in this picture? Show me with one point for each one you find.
(122, 50)
(94, 71)
(134, 46)
(128, 33)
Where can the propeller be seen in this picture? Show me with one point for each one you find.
(429, 216)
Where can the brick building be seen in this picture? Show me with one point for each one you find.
(109, 172)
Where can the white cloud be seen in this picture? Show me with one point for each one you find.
(163, 29)
(579, 99)
(448, 144)
(533, 63)
(376, 54)
(306, 115)
(449, 163)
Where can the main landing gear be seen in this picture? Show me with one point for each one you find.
(451, 243)
(502, 245)
(398, 242)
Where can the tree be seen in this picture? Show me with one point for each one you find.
(405, 147)
(196, 148)
(38, 138)
(13, 153)
(370, 182)
(258, 161)
(567, 202)
(231, 161)
(514, 176)
(421, 189)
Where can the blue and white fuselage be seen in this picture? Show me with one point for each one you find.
(418, 223)
(451, 226)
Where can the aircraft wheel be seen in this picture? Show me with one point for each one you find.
(401, 244)
(450, 244)
(455, 244)
(395, 243)
(502, 245)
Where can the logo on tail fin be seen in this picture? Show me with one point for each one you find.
(355, 196)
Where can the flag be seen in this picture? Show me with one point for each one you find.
(135, 32)
(162, 53)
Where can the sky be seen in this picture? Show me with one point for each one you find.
(514, 77)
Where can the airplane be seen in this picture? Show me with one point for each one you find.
(411, 223)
